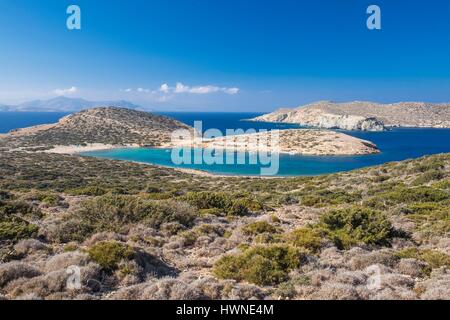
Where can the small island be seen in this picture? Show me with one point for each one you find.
(292, 141)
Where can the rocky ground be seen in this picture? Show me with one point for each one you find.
(140, 232)
(367, 116)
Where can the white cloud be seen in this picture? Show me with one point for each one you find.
(142, 90)
(181, 88)
(232, 91)
(164, 88)
(63, 92)
(165, 92)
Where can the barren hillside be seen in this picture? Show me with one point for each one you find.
(106, 125)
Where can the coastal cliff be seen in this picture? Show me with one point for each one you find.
(364, 116)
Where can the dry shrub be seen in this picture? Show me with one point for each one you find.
(332, 257)
(383, 257)
(413, 268)
(40, 286)
(354, 278)
(104, 236)
(437, 287)
(65, 260)
(30, 246)
(388, 293)
(163, 289)
(15, 270)
(319, 276)
(336, 291)
(55, 283)
(395, 280)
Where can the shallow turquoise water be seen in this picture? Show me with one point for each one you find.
(289, 165)
(395, 145)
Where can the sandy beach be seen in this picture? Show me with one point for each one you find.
(89, 147)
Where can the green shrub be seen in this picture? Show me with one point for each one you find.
(116, 212)
(307, 238)
(356, 225)
(191, 236)
(48, 198)
(72, 230)
(443, 184)
(428, 176)
(428, 165)
(227, 203)
(14, 229)
(427, 208)
(430, 218)
(267, 238)
(153, 189)
(19, 208)
(5, 195)
(329, 197)
(261, 265)
(169, 211)
(208, 200)
(238, 208)
(210, 212)
(418, 194)
(434, 259)
(159, 196)
(109, 254)
(88, 191)
(377, 203)
(259, 227)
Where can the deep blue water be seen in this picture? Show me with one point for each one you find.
(14, 120)
(396, 145)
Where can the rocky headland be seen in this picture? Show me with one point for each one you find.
(365, 116)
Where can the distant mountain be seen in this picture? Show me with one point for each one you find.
(65, 104)
(4, 107)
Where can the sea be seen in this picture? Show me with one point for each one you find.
(396, 144)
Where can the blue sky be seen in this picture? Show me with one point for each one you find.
(233, 55)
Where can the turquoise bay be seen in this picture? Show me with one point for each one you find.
(395, 145)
